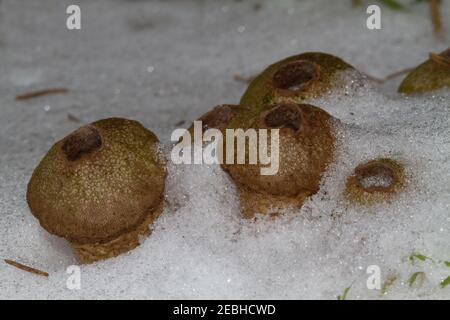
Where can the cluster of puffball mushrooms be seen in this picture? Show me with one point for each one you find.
(102, 186)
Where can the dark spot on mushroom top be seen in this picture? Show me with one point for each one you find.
(85, 140)
(284, 115)
(376, 177)
(295, 76)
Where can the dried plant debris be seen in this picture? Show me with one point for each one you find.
(244, 79)
(26, 268)
(436, 17)
(73, 118)
(40, 93)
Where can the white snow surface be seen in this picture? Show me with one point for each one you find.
(162, 62)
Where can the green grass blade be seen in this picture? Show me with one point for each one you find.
(393, 4)
(344, 294)
(445, 282)
(416, 275)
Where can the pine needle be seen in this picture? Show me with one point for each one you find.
(39, 93)
(440, 59)
(435, 17)
(26, 268)
(356, 3)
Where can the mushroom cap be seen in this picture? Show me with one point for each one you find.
(99, 182)
(294, 79)
(428, 76)
(306, 147)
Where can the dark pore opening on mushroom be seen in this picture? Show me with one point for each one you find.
(376, 177)
(284, 115)
(83, 141)
(217, 118)
(295, 76)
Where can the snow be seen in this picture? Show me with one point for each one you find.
(166, 62)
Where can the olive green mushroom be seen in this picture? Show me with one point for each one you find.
(295, 79)
(433, 74)
(100, 188)
(306, 147)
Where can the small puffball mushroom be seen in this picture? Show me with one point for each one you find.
(100, 188)
(375, 181)
(306, 147)
(433, 74)
(295, 79)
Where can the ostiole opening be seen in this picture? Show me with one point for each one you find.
(376, 177)
(217, 118)
(296, 76)
(284, 115)
(85, 140)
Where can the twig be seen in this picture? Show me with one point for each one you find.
(35, 94)
(398, 73)
(390, 76)
(244, 79)
(356, 3)
(72, 118)
(435, 17)
(26, 268)
(440, 59)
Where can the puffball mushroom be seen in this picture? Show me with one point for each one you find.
(100, 188)
(306, 147)
(294, 79)
(431, 75)
(375, 181)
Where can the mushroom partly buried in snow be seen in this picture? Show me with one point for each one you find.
(433, 74)
(375, 181)
(100, 188)
(295, 80)
(306, 147)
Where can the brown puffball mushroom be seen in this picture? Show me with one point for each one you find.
(375, 181)
(306, 147)
(295, 79)
(433, 74)
(100, 188)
